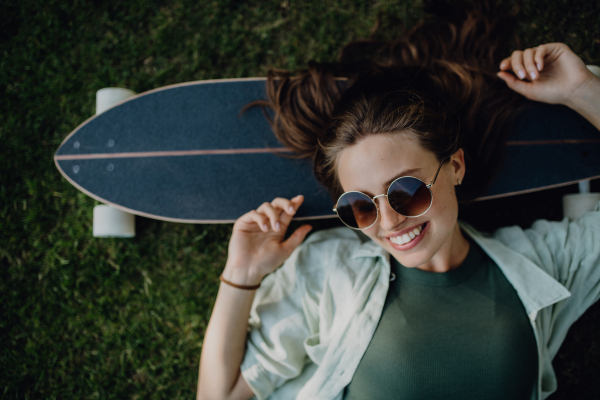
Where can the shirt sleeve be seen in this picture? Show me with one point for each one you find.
(570, 252)
(284, 314)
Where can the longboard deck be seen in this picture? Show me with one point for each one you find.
(180, 153)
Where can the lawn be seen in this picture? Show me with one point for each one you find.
(85, 318)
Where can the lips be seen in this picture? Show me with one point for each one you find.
(399, 240)
(407, 236)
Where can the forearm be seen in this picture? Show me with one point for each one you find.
(225, 339)
(586, 101)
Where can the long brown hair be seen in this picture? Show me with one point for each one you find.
(437, 82)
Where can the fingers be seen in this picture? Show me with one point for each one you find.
(517, 64)
(272, 215)
(529, 64)
(539, 56)
(296, 238)
(262, 220)
(277, 214)
(525, 64)
(515, 84)
(289, 207)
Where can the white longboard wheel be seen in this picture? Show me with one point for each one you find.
(575, 205)
(109, 221)
(109, 97)
(595, 69)
(112, 222)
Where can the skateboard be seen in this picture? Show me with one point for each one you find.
(183, 153)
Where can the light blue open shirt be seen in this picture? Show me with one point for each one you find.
(312, 319)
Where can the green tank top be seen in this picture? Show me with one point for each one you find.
(462, 334)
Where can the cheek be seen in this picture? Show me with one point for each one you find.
(445, 204)
(372, 232)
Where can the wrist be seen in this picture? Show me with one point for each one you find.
(587, 93)
(586, 101)
(241, 276)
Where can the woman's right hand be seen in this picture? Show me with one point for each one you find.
(256, 247)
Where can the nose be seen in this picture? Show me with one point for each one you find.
(388, 218)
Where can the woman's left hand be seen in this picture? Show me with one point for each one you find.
(550, 73)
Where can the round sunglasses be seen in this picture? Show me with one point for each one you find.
(407, 195)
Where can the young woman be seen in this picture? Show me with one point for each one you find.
(421, 305)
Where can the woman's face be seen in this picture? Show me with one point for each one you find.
(370, 164)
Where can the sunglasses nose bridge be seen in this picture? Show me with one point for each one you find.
(388, 217)
(388, 199)
(377, 202)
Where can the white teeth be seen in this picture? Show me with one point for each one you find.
(407, 237)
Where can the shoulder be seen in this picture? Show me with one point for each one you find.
(556, 235)
(557, 246)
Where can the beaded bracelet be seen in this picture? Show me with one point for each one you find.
(239, 286)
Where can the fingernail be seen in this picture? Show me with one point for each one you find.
(291, 209)
(521, 74)
(265, 227)
(277, 226)
(533, 75)
(539, 66)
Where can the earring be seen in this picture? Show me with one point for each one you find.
(459, 181)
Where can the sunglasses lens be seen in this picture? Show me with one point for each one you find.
(409, 196)
(356, 210)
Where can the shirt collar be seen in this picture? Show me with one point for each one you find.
(536, 288)
(371, 249)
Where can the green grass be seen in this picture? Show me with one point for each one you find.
(124, 318)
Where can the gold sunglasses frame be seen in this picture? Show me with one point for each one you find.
(386, 196)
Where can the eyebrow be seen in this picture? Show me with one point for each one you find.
(389, 182)
(403, 173)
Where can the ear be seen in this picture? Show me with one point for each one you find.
(457, 165)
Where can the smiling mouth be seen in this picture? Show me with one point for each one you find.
(408, 236)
